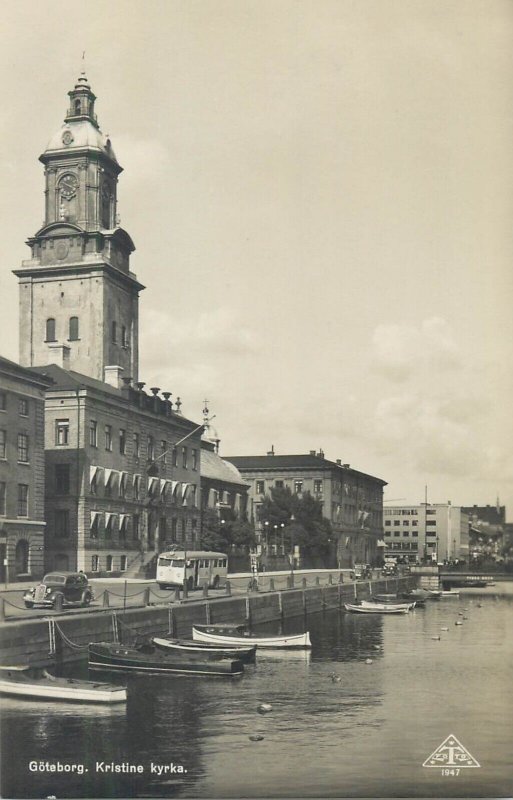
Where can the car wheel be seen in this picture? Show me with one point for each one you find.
(29, 605)
(86, 598)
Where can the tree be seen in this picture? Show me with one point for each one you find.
(226, 532)
(303, 521)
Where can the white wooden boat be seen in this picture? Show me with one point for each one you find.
(374, 608)
(26, 681)
(236, 634)
(376, 604)
(244, 652)
(451, 593)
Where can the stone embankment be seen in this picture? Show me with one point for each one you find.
(62, 638)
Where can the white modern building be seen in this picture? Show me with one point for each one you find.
(434, 531)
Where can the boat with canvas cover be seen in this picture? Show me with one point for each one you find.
(244, 652)
(150, 660)
(236, 634)
(375, 608)
(26, 681)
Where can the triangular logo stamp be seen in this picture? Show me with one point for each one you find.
(451, 753)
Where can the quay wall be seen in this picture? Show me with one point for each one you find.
(30, 641)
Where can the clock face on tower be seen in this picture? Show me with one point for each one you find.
(68, 186)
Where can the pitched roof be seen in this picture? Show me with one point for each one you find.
(216, 468)
(25, 373)
(297, 461)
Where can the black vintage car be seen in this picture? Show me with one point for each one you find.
(72, 587)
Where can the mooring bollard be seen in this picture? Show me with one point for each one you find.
(271, 584)
(205, 590)
(185, 591)
(146, 599)
(105, 599)
(290, 583)
(303, 582)
(228, 588)
(317, 580)
(58, 602)
(177, 594)
(341, 577)
(330, 578)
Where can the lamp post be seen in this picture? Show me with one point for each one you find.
(291, 556)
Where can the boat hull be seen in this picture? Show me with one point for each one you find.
(68, 689)
(215, 635)
(387, 606)
(373, 609)
(206, 650)
(120, 658)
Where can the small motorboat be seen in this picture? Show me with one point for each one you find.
(150, 660)
(375, 608)
(243, 652)
(26, 681)
(236, 634)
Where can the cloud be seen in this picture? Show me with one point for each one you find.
(398, 351)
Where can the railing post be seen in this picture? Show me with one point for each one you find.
(330, 578)
(146, 599)
(228, 588)
(205, 590)
(185, 591)
(317, 580)
(341, 577)
(271, 584)
(177, 594)
(58, 602)
(303, 582)
(106, 599)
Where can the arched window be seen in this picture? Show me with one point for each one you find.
(50, 330)
(22, 557)
(73, 328)
(114, 330)
(77, 107)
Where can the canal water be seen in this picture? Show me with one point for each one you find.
(339, 726)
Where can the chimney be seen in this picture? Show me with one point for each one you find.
(339, 462)
(271, 451)
(112, 376)
(312, 452)
(59, 354)
(321, 453)
(346, 466)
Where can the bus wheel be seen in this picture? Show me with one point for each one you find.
(216, 582)
(190, 582)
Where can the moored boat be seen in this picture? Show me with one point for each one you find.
(397, 604)
(149, 660)
(246, 653)
(236, 634)
(375, 608)
(26, 681)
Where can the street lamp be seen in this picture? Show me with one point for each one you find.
(291, 556)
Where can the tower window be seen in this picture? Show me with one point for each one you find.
(124, 337)
(50, 330)
(77, 107)
(73, 329)
(114, 333)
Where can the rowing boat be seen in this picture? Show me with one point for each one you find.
(236, 634)
(246, 653)
(26, 681)
(374, 608)
(149, 660)
(380, 606)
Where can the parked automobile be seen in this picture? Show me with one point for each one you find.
(361, 571)
(389, 569)
(72, 587)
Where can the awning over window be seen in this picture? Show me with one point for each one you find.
(95, 517)
(381, 543)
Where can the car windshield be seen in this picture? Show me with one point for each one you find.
(51, 578)
(178, 562)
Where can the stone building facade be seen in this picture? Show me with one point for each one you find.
(351, 500)
(22, 472)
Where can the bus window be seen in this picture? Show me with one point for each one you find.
(164, 562)
(178, 562)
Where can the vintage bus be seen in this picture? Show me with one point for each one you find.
(203, 568)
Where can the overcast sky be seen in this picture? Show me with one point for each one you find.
(321, 197)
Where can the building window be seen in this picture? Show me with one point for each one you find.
(23, 407)
(23, 448)
(73, 329)
(62, 431)
(194, 454)
(93, 433)
(122, 441)
(150, 449)
(108, 437)
(388, 522)
(3, 401)
(137, 487)
(50, 330)
(61, 523)
(175, 457)
(108, 564)
(122, 563)
(278, 484)
(163, 451)
(397, 533)
(193, 494)
(406, 521)
(397, 522)
(94, 526)
(62, 482)
(414, 533)
(122, 484)
(124, 337)
(298, 487)
(260, 487)
(109, 526)
(23, 500)
(95, 563)
(2, 498)
(114, 333)
(3, 443)
(137, 445)
(135, 526)
(184, 457)
(318, 486)
(93, 483)
(414, 522)
(174, 529)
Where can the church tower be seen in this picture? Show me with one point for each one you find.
(78, 298)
